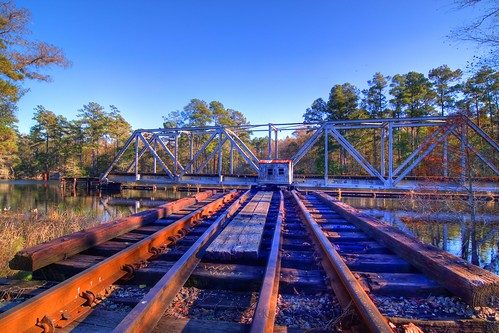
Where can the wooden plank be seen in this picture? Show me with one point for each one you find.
(47, 253)
(241, 238)
(302, 281)
(95, 321)
(208, 276)
(366, 247)
(107, 249)
(450, 326)
(472, 283)
(171, 325)
(377, 263)
(346, 236)
(396, 284)
(299, 259)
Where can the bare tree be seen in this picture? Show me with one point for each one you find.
(482, 30)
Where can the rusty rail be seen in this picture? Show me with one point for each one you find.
(145, 315)
(471, 283)
(264, 317)
(370, 314)
(57, 249)
(60, 305)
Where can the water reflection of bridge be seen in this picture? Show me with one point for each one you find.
(216, 155)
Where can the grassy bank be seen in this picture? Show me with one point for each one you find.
(19, 231)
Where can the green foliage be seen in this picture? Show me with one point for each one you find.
(20, 59)
(443, 92)
(446, 94)
(375, 101)
(78, 147)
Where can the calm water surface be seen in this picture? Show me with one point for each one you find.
(24, 196)
(443, 229)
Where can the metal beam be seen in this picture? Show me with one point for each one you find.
(385, 174)
(355, 154)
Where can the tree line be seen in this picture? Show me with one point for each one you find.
(440, 93)
(79, 147)
(85, 146)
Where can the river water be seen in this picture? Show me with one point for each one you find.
(447, 230)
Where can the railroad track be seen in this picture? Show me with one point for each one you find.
(179, 268)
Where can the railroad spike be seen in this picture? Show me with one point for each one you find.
(173, 240)
(129, 272)
(89, 296)
(155, 253)
(46, 323)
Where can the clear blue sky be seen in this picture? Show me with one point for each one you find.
(268, 59)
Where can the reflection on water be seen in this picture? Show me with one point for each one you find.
(446, 230)
(25, 196)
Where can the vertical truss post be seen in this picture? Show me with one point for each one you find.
(445, 156)
(276, 148)
(191, 150)
(220, 154)
(389, 181)
(270, 142)
(382, 152)
(326, 158)
(175, 154)
(463, 152)
(231, 158)
(137, 157)
(155, 162)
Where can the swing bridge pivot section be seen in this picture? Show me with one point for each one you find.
(453, 147)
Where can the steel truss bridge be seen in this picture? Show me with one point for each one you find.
(218, 155)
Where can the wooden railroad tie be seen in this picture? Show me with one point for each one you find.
(241, 238)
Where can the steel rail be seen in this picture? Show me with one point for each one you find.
(264, 316)
(145, 315)
(36, 257)
(60, 305)
(371, 316)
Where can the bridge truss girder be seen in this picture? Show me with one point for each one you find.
(166, 142)
(209, 145)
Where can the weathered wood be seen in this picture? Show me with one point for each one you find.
(377, 263)
(147, 313)
(338, 227)
(472, 283)
(296, 244)
(207, 276)
(365, 247)
(302, 281)
(95, 321)
(346, 236)
(241, 238)
(64, 269)
(44, 254)
(299, 259)
(396, 284)
(171, 325)
(450, 326)
(107, 249)
(224, 299)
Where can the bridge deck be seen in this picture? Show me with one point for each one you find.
(242, 237)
